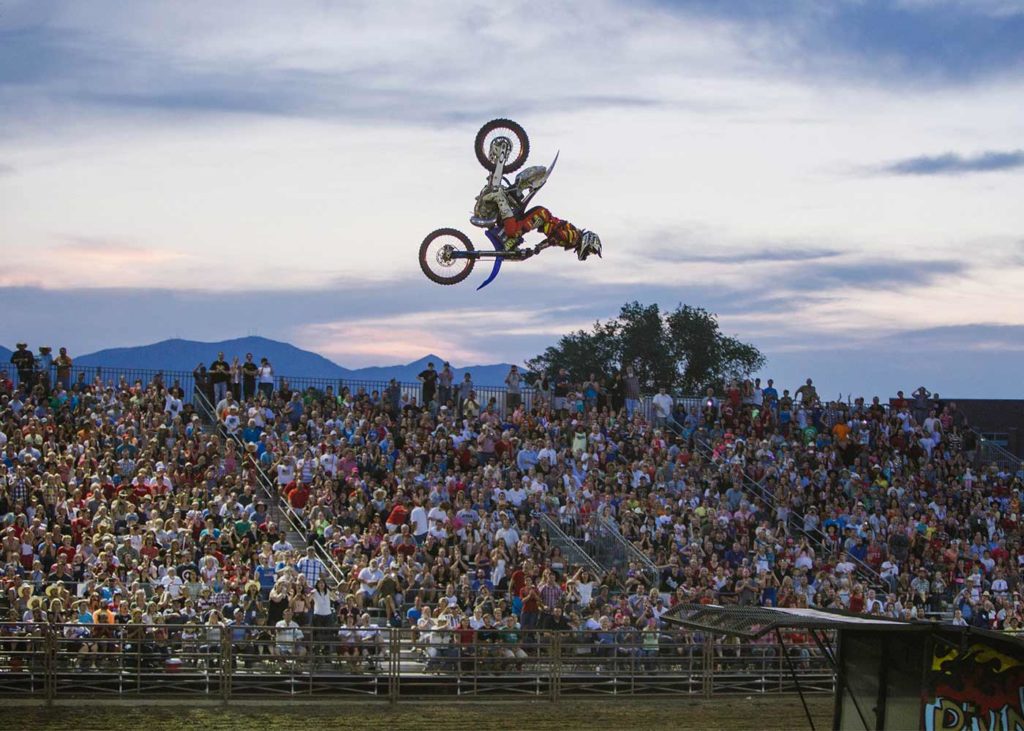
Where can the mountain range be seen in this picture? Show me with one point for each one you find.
(184, 355)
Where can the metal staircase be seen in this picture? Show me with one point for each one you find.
(763, 497)
(614, 551)
(992, 453)
(572, 550)
(280, 512)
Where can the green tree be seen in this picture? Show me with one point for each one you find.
(683, 350)
(580, 353)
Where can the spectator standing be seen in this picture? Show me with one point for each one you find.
(632, 389)
(662, 407)
(63, 363)
(513, 383)
(172, 403)
(393, 398)
(770, 396)
(24, 364)
(561, 389)
(323, 616)
(542, 391)
(617, 392)
(293, 411)
(220, 376)
(310, 566)
(201, 382)
(445, 379)
(43, 364)
(807, 394)
(921, 404)
(236, 378)
(266, 378)
(250, 372)
(429, 379)
(465, 389)
(531, 604)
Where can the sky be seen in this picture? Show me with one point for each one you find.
(841, 182)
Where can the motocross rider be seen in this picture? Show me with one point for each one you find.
(500, 201)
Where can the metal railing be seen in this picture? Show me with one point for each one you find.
(222, 662)
(615, 552)
(572, 550)
(992, 453)
(796, 519)
(275, 500)
(119, 375)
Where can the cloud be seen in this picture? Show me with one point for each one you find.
(890, 42)
(773, 255)
(6, 169)
(106, 253)
(221, 164)
(975, 337)
(873, 274)
(371, 325)
(954, 164)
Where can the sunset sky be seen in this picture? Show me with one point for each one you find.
(842, 182)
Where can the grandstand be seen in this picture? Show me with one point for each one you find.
(319, 537)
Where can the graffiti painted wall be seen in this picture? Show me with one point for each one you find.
(980, 688)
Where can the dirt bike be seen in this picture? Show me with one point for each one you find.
(447, 256)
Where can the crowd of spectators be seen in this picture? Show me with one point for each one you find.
(120, 509)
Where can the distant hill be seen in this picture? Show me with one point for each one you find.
(483, 375)
(184, 355)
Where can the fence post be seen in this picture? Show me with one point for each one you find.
(556, 666)
(394, 665)
(709, 664)
(50, 665)
(226, 670)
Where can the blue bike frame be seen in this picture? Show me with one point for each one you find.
(494, 235)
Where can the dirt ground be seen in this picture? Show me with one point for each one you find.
(719, 714)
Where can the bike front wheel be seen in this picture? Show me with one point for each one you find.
(505, 135)
(437, 260)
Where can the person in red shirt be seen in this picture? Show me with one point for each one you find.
(79, 527)
(857, 600)
(531, 604)
(466, 637)
(398, 516)
(874, 555)
(405, 544)
(298, 497)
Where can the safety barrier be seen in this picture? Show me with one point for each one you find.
(216, 661)
(103, 376)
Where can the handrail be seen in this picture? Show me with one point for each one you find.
(224, 660)
(111, 374)
(1000, 455)
(754, 487)
(569, 545)
(607, 528)
(294, 521)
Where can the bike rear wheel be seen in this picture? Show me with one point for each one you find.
(514, 137)
(436, 259)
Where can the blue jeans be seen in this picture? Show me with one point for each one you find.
(631, 405)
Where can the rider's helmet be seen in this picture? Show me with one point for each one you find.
(590, 243)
